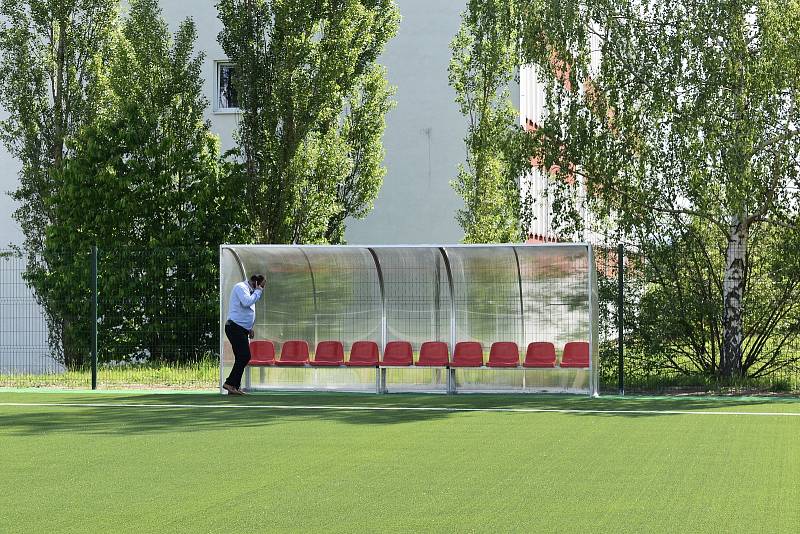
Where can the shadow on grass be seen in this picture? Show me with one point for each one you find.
(214, 412)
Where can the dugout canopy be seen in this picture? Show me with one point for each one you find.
(544, 295)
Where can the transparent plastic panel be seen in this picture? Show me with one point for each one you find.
(594, 326)
(417, 310)
(231, 273)
(416, 379)
(286, 311)
(553, 380)
(555, 293)
(358, 379)
(556, 296)
(314, 294)
(347, 295)
(487, 295)
(425, 293)
(417, 295)
(522, 294)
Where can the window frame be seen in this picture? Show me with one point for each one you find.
(217, 108)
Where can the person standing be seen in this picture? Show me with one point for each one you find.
(239, 328)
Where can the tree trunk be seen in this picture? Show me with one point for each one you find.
(733, 296)
(74, 347)
(59, 120)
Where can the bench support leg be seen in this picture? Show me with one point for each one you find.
(382, 381)
(451, 381)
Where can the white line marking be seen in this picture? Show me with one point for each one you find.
(390, 408)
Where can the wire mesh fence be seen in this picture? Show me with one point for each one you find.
(30, 328)
(158, 319)
(673, 334)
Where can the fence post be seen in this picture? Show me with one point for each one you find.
(94, 317)
(621, 315)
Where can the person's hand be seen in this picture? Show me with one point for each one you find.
(251, 333)
(262, 284)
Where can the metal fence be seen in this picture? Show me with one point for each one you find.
(157, 324)
(156, 321)
(26, 358)
(648, 351)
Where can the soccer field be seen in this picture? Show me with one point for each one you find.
(125, 462)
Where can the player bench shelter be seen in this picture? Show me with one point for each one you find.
(433, 318)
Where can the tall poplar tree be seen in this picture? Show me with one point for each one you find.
(144, 182)
(313, 101)
(482, 68)
(52, 54)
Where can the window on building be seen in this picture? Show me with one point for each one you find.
(227, 99)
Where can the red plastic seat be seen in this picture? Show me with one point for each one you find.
(363, 354)
(398, 353)
(293, 353)
(576, 354)
(503, 354)
(262, 352)
(434, 354)
(540, 354)
(467, 354)
(328, 354)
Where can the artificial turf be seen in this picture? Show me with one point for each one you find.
(201, 468)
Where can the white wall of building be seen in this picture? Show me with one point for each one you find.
(9, 181)
(534, 184)
(424, 138)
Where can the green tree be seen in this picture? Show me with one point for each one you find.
(689, 116)
(679, 316)
(680, 120)
(144, 182)
(51, 56)
(313, 101)
(483, 65)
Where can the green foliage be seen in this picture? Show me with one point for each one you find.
(483, 64)
(313, 101)
(686, 119)
(52, 54)
(198, 375)
(679, 119)
(145, 184)
(683, 277)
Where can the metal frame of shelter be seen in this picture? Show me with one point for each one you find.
(450, 293)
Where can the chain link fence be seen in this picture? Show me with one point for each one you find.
(652, 347)
(157, 326)
(157, 321)
(27, 358)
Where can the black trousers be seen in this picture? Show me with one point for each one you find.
(238, 336)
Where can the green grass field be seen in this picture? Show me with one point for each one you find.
(227, 464)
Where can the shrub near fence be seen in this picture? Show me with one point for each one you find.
(158, 318)
(652, 371)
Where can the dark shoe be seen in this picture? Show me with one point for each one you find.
(231, 390)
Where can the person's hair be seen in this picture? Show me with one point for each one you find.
(257, 278)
